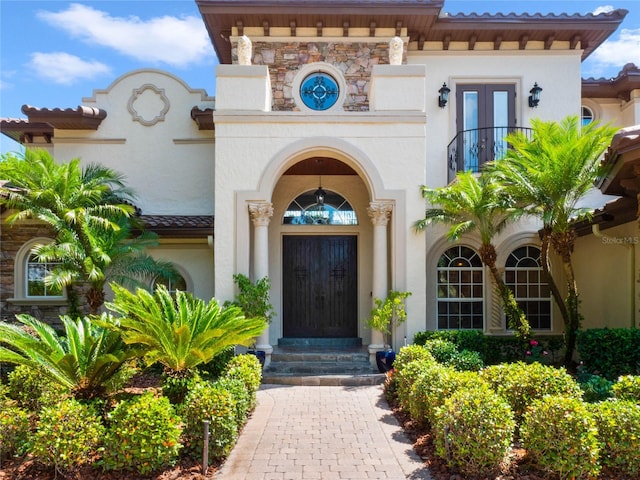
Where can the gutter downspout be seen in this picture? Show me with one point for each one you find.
(595, 228)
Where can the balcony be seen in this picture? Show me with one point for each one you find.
(471, 149)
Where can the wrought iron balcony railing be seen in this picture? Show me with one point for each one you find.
(470, 149)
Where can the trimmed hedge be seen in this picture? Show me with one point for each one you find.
(627, 388)
(247, 368)
(14, 429)
(610, 352)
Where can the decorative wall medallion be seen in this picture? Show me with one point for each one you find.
(319, 91)
(148, 105)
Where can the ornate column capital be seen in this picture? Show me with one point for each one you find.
(261, 213)
(380, 212)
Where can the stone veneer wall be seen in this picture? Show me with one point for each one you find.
(354, 59)
(11, 239)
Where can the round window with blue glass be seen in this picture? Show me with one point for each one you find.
(319, 91)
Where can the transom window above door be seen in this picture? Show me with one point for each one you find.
(328, 208)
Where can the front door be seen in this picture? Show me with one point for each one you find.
(485, 114)
(320, 290)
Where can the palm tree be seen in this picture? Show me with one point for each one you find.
(83, 360)
(476, 204)
(180, 332)
(89, 212)
(547, 176)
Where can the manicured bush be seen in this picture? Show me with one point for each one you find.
(610, 352)
(14, 429)
(409, 354)
(442, 350)
(406, 366)
(238, 389)
(206, 401)
(464, 339)
(68, 435)
(408, 376)
(619, 435)
(436, 384)
(248, 369)
(627, 388)
(31, 389)
(176, 385)
(143, 435)
(467, 360)
(215, 368)
(521, 383)
(473, 430)
(561, 437)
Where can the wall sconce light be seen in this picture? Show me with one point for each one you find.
(443, 98)
(534, 98)
(320, 194)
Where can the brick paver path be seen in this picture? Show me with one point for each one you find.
(309, 432)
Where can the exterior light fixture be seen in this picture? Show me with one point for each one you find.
(443, 98)
(534, 98)
(320, 194)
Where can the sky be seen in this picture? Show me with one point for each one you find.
(53, 53)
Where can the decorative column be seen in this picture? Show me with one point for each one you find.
(380, 212)
(261, 213)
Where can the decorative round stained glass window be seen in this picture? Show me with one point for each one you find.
(319, 91)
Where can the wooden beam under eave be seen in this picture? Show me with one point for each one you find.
(345, 29)
(240, 27)
(497, 42)
(292, 27)
(421, 42)
(548, 42)
(266, 28)
(575, 40)
(319, 26)
(446, 41)
(398, 28)
(472, 42)
(372, 29)
(524, 39)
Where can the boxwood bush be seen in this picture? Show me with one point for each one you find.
(619, 435)
(239, 391)
(561, 436)
(143, 435)
(473, 430)
(627, 388)
(14, 429)
(207, 401)
(247, 368)
(409, 354)
(31, 389)
(68, 435)
(408, 376)
(521, 383)
(441, 350)
(467, 360)
(610, 352)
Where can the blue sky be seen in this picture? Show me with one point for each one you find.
(53, 53)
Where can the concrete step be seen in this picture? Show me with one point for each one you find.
(319, 368)
(325, 380)
(348, 342)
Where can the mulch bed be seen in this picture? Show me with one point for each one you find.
(518, 468)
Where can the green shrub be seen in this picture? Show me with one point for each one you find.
(176, 385)
(442, 350)
(215, 368)
(248, 369)
(434, 387)
(627, 388)
(521, 383)
(467, 360)
(31, 389)
(464, 339)
(14, 429)
(408, 376)
(143, 435)
(120, 379)
(619, 434)
(473, 430)
(561, 437)
(67, 436)
(594, 387)
(211, 402)
(409, 354)
(240, 394)
(610, 352)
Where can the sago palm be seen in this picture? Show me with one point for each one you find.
(547, 175)
(83, 360)
(180, 333)
(476, 204)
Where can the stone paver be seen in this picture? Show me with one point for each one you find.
(328, 432)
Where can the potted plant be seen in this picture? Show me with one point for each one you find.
(387, 314)
(254, 300)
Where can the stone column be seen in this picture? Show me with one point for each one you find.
(261, 213)
(380, 212)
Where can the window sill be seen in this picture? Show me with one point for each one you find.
(54, 301)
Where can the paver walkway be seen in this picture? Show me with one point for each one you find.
(309, 432)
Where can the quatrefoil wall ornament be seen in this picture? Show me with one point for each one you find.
(148, 105)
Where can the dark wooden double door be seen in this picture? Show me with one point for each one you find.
(320, 286)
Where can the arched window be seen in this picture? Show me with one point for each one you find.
(587, 115)
(319, 207)
(460, 289)
(523, 275)
(172, 285)
(36, 272)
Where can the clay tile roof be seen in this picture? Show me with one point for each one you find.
(621, 164)
(620, 86)
(179, 225)
(423, 19)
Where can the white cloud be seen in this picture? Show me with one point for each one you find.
(603, 9)
(65, 69)
(617, 53)
(170, 40)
